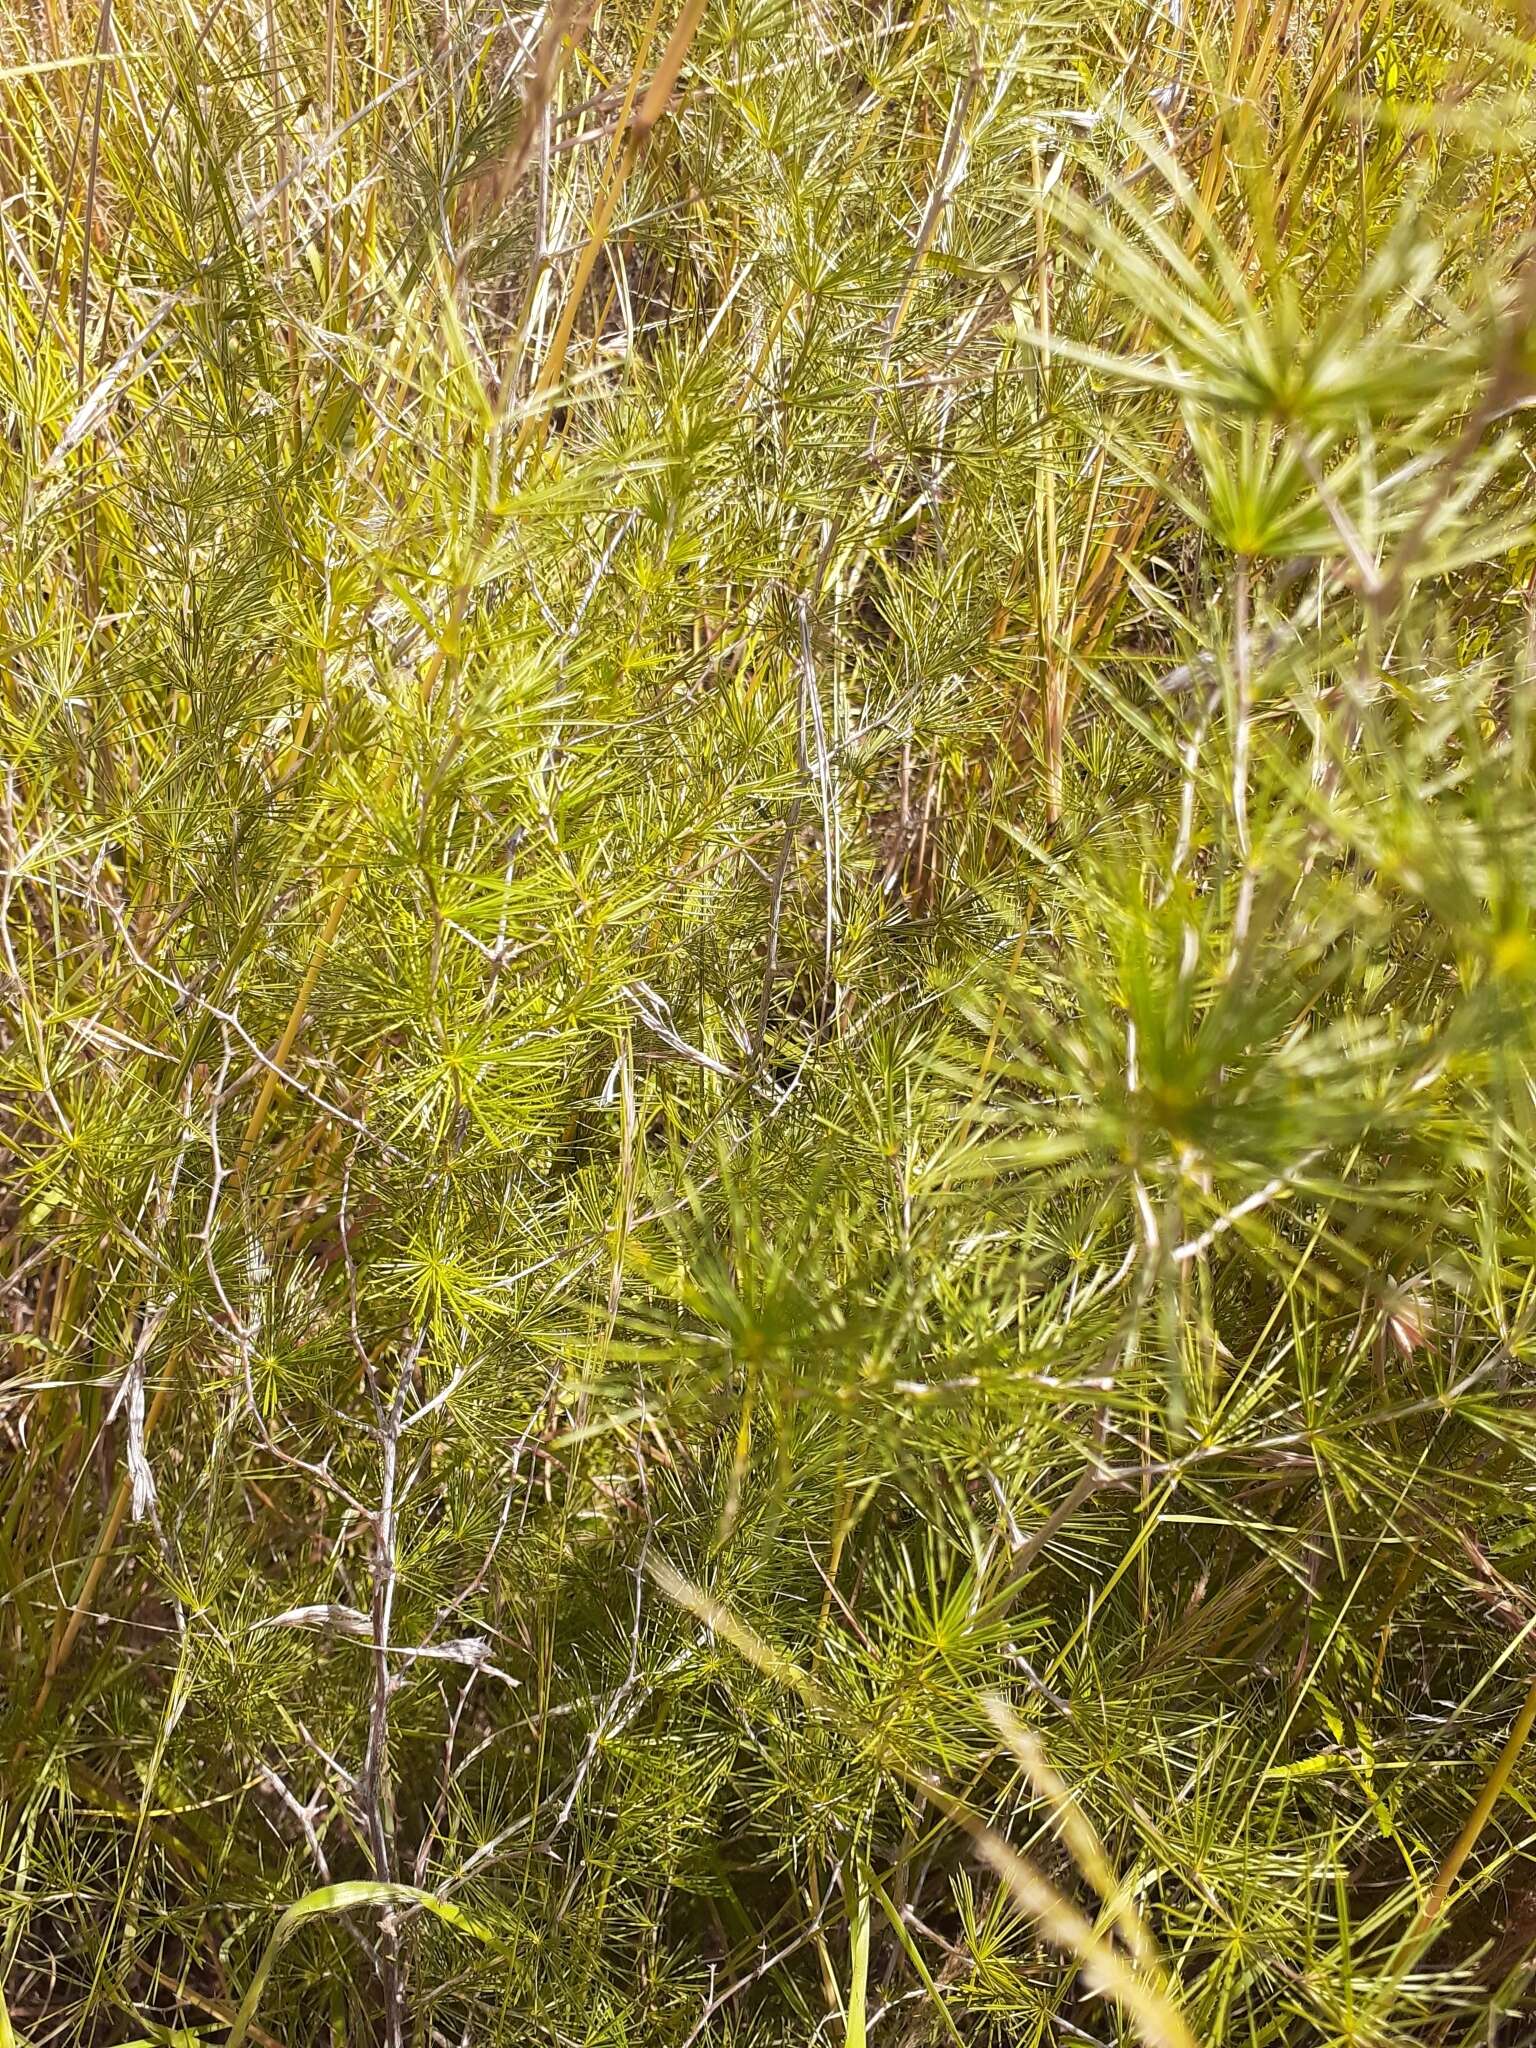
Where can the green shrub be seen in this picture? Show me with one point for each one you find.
(767, 1068)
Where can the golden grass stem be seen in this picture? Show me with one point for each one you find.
(1477, 1820)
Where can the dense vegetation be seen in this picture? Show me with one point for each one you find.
(767, 1023)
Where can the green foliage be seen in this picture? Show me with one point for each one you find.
(767, 1024)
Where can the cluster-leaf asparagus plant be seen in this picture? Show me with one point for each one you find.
(767, 847)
